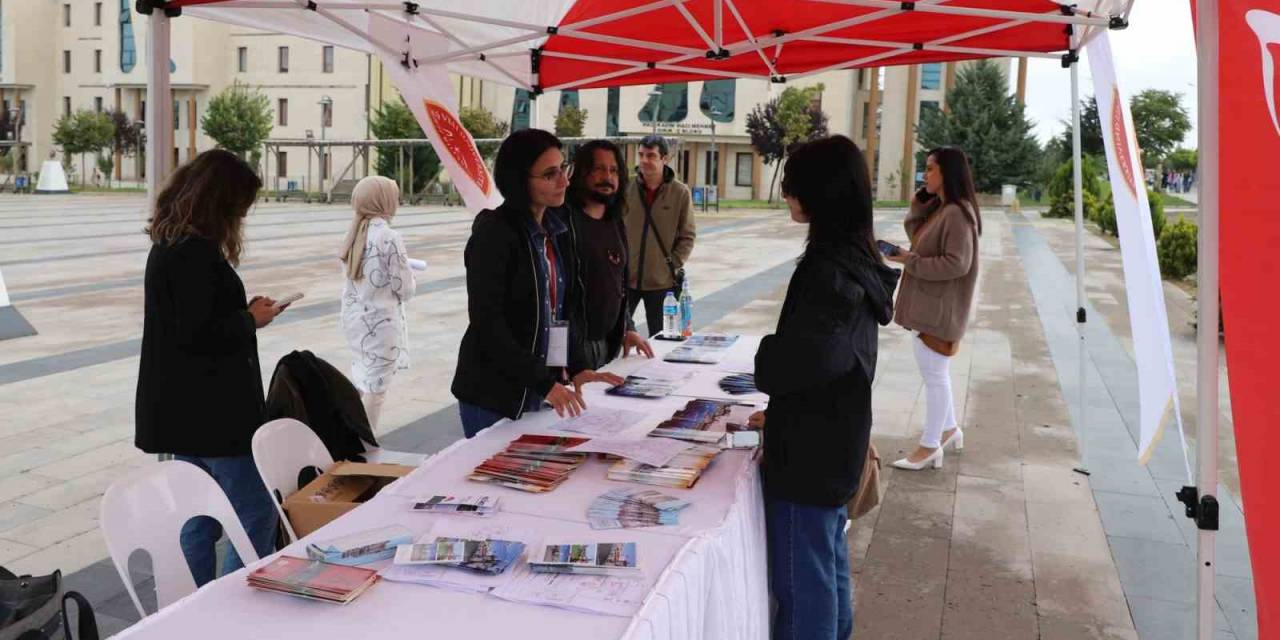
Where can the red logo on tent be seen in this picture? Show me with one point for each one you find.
(1124, 157)
(459, 144)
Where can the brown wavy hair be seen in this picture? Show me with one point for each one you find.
(207, 197)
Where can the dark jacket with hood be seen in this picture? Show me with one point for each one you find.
(817, 369)
(498, 364)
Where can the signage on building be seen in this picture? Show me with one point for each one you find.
(682, 129)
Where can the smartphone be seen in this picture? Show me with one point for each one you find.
(287, 300)
(888, 248)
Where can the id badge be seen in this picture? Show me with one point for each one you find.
(558, 345)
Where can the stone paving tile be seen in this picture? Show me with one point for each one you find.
(68, 555)
(22, 485)
(56, 526)
(10, 550)
(14, 514)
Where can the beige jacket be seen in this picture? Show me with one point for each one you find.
(673, 217)
(936, 293)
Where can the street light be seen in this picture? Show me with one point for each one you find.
(655, 96)
(715, 158)
(326, 111)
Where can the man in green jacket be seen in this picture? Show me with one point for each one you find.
(658, 212)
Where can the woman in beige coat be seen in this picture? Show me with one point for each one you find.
(936, 294)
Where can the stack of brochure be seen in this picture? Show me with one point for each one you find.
(313, 579)
(362, 547)
(601, 558)
(627, 508)
(694, 421)
(532, 463)
(702, 349)
(681, 472)
(486, 556)
(482, 506)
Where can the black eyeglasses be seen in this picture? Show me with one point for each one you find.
(551, 175)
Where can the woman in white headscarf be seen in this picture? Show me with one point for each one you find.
(379, 281)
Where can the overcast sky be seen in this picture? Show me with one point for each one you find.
(1157, 51)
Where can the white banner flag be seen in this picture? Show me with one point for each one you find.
(1153, 353)
(430, 96)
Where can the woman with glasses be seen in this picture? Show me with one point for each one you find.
(523, 347)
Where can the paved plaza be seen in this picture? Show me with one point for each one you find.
(1006, 541)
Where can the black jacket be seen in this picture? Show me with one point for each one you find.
(817, 369)
(624, 323)
(315, 393)
(497, 363)
(199, 384)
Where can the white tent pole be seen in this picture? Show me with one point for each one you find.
(533, 111)
(1077, 178)
(159, 104)
(1207, 318)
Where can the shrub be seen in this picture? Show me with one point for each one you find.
(1176, 249)
(1157, 213)
(1064, 206)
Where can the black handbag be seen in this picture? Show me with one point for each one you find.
(677, 275)
(33, 607)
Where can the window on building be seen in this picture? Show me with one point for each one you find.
(931, 75)
(671, 104)
(326, 114)
(520, 111)
(66, 105)
(242, 59)
(282, 60)
(328, 59)
(177, 115)
(97, 14)
(718, 98)
(743, 169)
(569, 98)
(66, 61)
(128, 50)
(712, 164)
(611, 112)
(97, 104)
(282, 164)
(66, 15)
(282, 112)
(1, 36)
(97, 60)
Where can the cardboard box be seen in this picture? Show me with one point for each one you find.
(345, 486)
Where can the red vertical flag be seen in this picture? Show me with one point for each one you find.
(1249, 187)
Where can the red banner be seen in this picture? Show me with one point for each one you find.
(1249, 183)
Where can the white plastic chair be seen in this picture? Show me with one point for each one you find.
(147, 509)
(281, 449)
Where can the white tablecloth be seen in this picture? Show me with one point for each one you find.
(708, 574)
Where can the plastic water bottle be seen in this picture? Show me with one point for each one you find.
(670, 315)
(686, 310)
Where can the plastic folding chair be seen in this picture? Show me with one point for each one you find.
(281, 450)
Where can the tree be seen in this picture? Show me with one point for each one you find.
(128, 134)
(394, 121)
(1090, 132)
(1160, 122)
(83, 132)
(480, 123)
(238, 119)
(570, 121)
(988, 123)
(105, 165)
(782, 122)
(1183, 160)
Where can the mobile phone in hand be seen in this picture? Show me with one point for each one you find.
(888, 248)
(287, 300)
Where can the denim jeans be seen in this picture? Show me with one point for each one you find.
(239, 479)
(476, 419)
(809, 571)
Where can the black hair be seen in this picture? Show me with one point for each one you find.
(829, 178)
(516, 157)
(957, 181)
(655, 141)
(584, 162)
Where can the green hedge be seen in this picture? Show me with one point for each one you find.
(1176, 249)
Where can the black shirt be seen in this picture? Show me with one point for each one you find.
(603, 265)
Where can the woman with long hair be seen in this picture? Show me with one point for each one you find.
(817, 368)
(199, 383)
(379, 281)
(940, 274)
(525, 305)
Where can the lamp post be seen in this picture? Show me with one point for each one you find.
(655, 95)
(714, 169)
(311, 136)
(326, 111)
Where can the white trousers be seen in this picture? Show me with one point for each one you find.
(373, 407)
(940, 412)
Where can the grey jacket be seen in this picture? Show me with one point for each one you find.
(936, 294)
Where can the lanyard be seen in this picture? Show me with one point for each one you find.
(552, 287)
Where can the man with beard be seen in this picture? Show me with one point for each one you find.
(595, 203)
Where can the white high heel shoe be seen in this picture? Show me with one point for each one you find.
(957, 438)
(934, 459)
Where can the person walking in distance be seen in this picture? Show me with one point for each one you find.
(658, 212)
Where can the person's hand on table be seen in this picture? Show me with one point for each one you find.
(565, 401)
(756, 421)
(263, 311)
(633, 339)
(588, 375)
